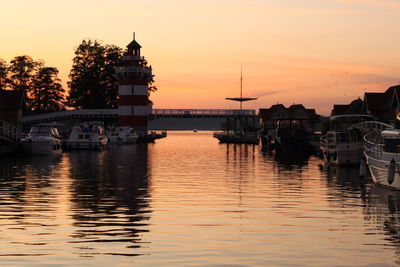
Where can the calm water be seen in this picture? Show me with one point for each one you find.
(188, 200)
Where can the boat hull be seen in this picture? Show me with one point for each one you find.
(85, 145)
(236, 139)
(342, 157)
(379, 170)
(42, 147)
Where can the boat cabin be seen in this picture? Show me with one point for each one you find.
(391, 141)
(44, 130)
(341, 137)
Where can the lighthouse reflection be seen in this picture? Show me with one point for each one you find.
(110, 198)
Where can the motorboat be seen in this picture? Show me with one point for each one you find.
(342, 147)
(42, 139)
(343, 143)
(121, 135)
(87, 136)
(382, 154)
(237, 137)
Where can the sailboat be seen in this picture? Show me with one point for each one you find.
(242, 134)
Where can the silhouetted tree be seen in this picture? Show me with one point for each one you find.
(93, 84)
(47, 93)
(21, 70)
(3, 75)
(152, 87)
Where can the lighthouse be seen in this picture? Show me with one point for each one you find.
(133, 77)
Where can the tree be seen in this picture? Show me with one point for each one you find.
(47, 93)
(3, 75)
(21, 71)
(93, 84)
(152, 87)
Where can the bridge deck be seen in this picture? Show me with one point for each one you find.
(99, 114)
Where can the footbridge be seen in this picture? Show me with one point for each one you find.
(159, 119)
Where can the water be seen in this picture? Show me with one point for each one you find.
(189, 201)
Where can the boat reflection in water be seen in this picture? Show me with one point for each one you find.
(75, 204)
(382, 215)
(110, 202)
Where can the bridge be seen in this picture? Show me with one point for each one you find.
(159, 119)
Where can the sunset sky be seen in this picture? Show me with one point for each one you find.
(314, 52)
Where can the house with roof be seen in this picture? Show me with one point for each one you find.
(11, 106)
(355, 107)
(294, 116)
(385, 106)
(10, 120)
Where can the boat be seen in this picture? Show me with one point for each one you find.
(237, 137)
(382, 154)
(42, 139)
(244, 133)
(150, 137)
(87, 136)
(121, 135)
(343, 143)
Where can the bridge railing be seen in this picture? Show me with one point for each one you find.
(102, 113)
(205, 112)
(71, 114)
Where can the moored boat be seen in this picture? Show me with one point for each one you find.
(121, 135)
(237, 137)
(42, 139)
(343, 143)
(382, 153)
(87, 136)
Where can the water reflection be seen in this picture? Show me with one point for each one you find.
(110, 196)
(292, 159)
(187, 200)
(382, 213)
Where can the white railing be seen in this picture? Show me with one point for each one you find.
(206, 112)
(133, 70)
(99, 113)
(71, 113)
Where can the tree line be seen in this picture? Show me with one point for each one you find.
(92, 81)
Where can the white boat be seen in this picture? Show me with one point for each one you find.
(42, 139)
(343, 144)
(382, 153)
(87, 136)
(121, 135)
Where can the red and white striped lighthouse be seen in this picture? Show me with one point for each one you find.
(133, 77)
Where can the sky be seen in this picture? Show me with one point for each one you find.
(311, 52)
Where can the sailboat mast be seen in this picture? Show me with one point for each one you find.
(241, 85)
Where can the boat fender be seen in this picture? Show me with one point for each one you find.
(391, 171)
(328, 157)
(334, 156)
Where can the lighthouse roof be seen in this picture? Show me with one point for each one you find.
(134, 45)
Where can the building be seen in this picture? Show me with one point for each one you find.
(355, 107)
(134, 76)
(10, 120)
(385, 106)
(293, 116)
(11, 106)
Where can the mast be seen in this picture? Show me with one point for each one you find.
(241, 85)
(241, 98)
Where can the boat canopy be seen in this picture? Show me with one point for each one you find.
(335, 117)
